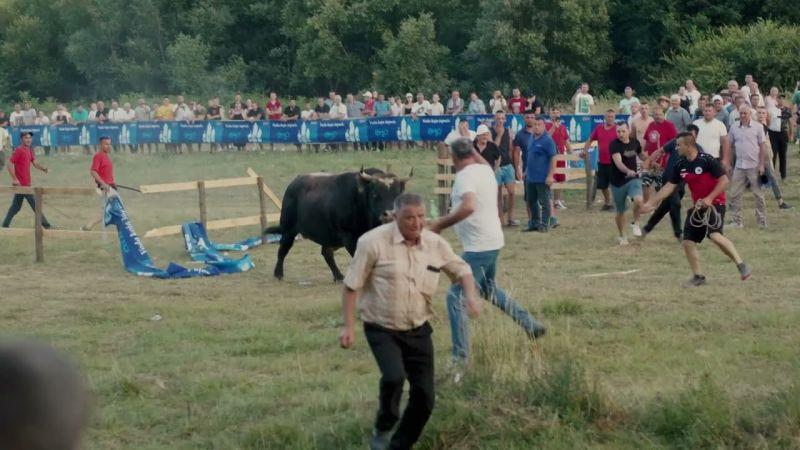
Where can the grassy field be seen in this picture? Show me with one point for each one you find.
(245, 361)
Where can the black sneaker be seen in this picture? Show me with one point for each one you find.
(744, 271)
(784, 205)
(537, 333)
(697, 280)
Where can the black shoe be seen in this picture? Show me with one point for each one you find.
(47, 226)
(606, 208)
(697, 280)
(529, 229)
(784, 205)
(537, 333)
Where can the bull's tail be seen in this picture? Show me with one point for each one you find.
(276, 229)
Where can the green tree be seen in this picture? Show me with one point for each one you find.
(412, 60)
(765, 48)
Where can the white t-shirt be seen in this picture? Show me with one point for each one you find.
(497, 104)
(338, 111)
(774, 119)
(5, 139)
(709, 135)
(694, 99)
(16, 118)
(455, 135)
(481, 231)
(583, 103)
(307, 114)
(421, 109)
(437, 109)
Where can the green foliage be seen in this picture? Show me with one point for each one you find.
(412, 60)
(765, 48)
(101, 48)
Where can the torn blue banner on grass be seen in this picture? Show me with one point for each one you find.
(137, 261)
(203, 249)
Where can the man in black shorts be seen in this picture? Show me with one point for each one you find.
(707, 182)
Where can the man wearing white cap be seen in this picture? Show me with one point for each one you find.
(677, 115)
(719, 107)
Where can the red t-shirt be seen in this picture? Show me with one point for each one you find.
(604, 136)
(657, 135)
(101, 164)
(274, 110)
(22, 159)
(521, 103)
(369, 108)
(560, 137)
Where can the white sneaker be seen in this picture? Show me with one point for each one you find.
(560, 205)
(636, 230)
(622, 240)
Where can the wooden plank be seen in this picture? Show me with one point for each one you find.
(77, 191)
(444, 177)
(572, 174)
(39, 235)
(230, 182)
(214, 225)
(442, 190)
(444, 161)
(71, 234)
(168, 187)
(563, 186)
(262, 203)
(201, 197)
(275, 200)
(569, 158)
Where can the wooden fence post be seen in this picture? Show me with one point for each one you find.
(262, 203)
(39, 229)
(443, 153)
(201, 193)
(589, 180)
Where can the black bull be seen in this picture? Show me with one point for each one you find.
(335, 210)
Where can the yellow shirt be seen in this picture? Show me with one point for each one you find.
(165, 112)
(396, 281)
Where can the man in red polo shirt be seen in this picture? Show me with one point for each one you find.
(658, 133)
(604, 135)
(274, 110)
(19, 166)
(102, 172)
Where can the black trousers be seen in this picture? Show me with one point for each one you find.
(403, 355)
(16, 205)
(780, 146)
(671, 205)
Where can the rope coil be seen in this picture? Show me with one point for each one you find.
(705, 217)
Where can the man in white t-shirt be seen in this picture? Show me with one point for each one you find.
(713, 136)
(437, 108)
(582, 100)
(421, 107)
(477, 225)
(462, 131)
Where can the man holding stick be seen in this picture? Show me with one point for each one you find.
(102, 172)
(394, 275)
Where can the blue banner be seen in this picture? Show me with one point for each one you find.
(138, 262)
(374, 129)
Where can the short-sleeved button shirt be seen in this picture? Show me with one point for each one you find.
(396, 281)
(746, 141)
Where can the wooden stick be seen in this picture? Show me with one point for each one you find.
(201, 196)
(262, 203)
(39, 235)
(275, 200)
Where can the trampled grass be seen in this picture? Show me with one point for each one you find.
(245, 361)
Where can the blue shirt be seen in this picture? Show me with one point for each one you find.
(382, 108)
(521, 140)
(540, 151)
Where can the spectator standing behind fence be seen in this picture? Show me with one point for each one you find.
(498, 103)
(355, 110)
(274, 107)
(437, 109)
(408, 106)
(383, 108)
(506, 175)
(582, 100)
(476, 105)
(534, 104)
(455, 105)
(558, 131)
(61, 117)
(517, 104)
(397, 107)
(369, 104)
(16, 118)
(322, 109)
(627, 101)
(421, 107)
(29, 114)
(19, 167)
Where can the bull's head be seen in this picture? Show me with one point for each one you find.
(379, 190)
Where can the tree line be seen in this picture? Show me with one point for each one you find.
(101, 48)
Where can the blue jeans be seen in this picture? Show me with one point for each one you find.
(538, 197)
(484, 268)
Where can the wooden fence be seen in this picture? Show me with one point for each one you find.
(445, 174)
(38, 231)
(252, 179)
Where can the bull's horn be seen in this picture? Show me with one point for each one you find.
(365, 176)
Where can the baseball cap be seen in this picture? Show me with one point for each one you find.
(482, 129)
(715, 98)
